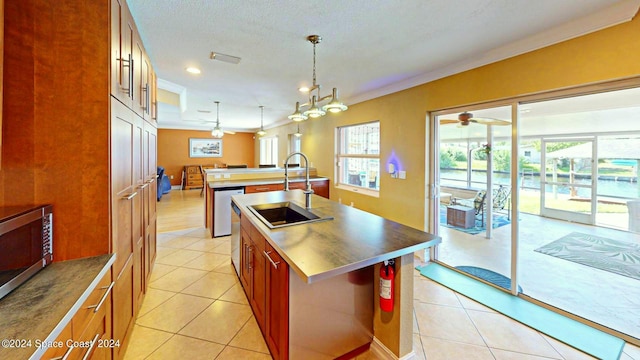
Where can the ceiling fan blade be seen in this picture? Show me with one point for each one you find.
(448, 121)
(490, 121)
(229, 132)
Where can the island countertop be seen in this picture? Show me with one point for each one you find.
(224, 183)
(354, 239)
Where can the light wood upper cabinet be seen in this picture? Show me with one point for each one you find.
(122, 57)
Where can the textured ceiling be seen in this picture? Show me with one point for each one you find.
(369, 48)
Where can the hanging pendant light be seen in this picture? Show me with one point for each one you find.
(314, 111)
(261, 132)
(335, 105)
(298, 133)
(297, 115)
(217, 130)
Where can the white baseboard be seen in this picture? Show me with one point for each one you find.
(383, 353)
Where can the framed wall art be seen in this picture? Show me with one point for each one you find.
(205, 147)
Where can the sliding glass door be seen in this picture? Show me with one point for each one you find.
(571, 159)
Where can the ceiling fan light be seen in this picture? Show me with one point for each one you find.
(217, 132)
(335, 105)
(297, 115)
(261, 132)
(464, 118)
(314, 111)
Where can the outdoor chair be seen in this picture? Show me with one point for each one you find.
(500, 199)
(474, 202)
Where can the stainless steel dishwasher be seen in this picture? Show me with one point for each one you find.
(235, 237)
(222, 211)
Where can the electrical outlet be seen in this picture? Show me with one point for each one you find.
(402, 174)
(217, 176)
(227, 176)
(171, 177)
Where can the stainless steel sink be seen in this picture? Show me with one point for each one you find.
(277, 215)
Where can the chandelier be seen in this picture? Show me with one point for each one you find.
(314, 111)
(261, 132)
(217, 130)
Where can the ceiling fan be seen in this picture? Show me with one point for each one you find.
(209, 123)
(465, 118)
(217, 131)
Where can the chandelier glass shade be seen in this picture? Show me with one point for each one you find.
(217, 130)
(261, 132)
(297, 115)
(298, 133)
(314, 111)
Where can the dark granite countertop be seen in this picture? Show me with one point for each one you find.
(217, 184)
(353, 240)
(39, 309)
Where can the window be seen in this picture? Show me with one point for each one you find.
(269, 151)
(358, 157)
(294, 146)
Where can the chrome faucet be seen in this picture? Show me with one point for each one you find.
(308, 191)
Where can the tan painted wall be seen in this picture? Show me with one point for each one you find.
(607, 54)
(173, 151)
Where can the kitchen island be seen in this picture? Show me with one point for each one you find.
(313, 286)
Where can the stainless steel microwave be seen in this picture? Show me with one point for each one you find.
(26, 243)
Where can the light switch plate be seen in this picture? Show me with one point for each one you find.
(402, 174)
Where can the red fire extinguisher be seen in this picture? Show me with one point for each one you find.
(386, 286)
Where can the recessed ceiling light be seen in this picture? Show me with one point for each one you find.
(193, 70)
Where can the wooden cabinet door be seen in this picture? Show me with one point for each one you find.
(122, 62)
(321, 188)
(124, 193)
(277, 304)
(123, 308)
(245, 261)
(138, 74)
(258, 283)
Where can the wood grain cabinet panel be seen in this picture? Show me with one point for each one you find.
(265, 278)
(277, 304)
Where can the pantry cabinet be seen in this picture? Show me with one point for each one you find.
(78, 98)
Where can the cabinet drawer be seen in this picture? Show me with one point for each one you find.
(194, 177)
(258, 240)
(62, 352)
(98, 332)
(97, 301)
(263, 188)
(193, 170)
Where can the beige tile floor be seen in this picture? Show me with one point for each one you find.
(196, 309)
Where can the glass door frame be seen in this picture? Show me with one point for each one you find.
(561, 214)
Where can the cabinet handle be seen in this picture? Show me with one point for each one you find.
(249, 257)
(130, 196)
(262, 189)
(104, 297)
(151, 180)
(143, 186)
(275, 264)
(129, 65)
(93, 345)
(131, 76)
